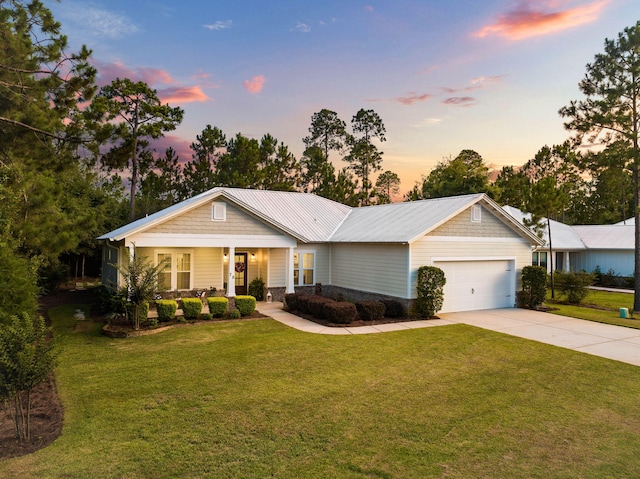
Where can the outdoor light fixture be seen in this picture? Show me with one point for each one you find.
(253, 257)
(226, 257)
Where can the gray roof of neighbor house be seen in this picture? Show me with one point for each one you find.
(311, 218)
(581, 237)
(607, 236)
(563, 236)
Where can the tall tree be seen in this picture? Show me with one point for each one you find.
(160, 183)
(464, 174)
(279, 167)
(544, 199)
(239, 167)
(610, 112)
(131, 115)
(199, 174)
(387, 186)
(328, 132)
(315, 169)
(364, 157)
(511, 187)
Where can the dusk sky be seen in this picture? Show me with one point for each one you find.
(486, 75)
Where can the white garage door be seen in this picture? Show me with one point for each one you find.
(474, 285)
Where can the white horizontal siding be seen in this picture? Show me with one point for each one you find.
(277, 268)
(372, 268)
(207, 270)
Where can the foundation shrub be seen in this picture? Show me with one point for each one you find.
(370, 310)
(256, 289)
(245, 304)
(430, 287)
(315, 305)
(191, 307)
(393, 308)
(166, 309)
(534, 286)
(340, 312)
(292, 301)
(218, 305)
(234, 314)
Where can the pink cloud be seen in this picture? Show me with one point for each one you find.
(184, 94)
(412, 98)
(254, 85)
(179, 144)
(459, 101)
(541, 17)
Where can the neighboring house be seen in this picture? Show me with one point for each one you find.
(226, 237)
(585, 247)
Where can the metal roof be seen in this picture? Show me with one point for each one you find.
(607, 236)
(400, 222)
(311, 218)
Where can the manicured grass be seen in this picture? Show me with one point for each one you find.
(256, 399)
(600, 306)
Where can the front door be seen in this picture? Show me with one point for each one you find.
(240, 262)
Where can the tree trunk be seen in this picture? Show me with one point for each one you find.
(636, 214)
(553, 292)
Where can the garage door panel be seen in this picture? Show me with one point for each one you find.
(475, 285)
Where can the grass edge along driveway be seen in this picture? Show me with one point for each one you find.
(257, 399)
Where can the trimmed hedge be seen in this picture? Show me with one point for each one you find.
(292, 301)
(393, 308)
(166, 309)
(234, 314)
(370, 310)
(315, 305)
(191, 307)
(218, 305)
(340, 312)
(534, 286)
(431, 281)
(245, 304)
(256, 289)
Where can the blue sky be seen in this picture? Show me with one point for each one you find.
(444, 76)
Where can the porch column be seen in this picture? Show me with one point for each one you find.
(231, 276)
(567, 263)
(289, 273)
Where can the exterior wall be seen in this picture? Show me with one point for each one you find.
(277, 268)
(461, 225)
(110, 260)
(323, 260)
(374, 268)
(621, 262)
(426, 249)
(199, 221)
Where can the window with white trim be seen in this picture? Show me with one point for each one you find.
(176, 274)
(304, 268)
(218, 211)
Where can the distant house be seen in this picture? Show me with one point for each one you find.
(226, 237)
(585, 247)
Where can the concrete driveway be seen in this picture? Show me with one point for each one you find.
(604, 340)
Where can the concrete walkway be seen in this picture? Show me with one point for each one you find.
(604, 340)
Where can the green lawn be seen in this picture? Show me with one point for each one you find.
(600, 306)
(255, 399)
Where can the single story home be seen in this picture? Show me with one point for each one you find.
(585, 247)
(226, 237)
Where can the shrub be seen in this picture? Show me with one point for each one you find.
(245, 304)
(393, 308)
(574, 286)
(370, 310)
(191, 307)
(291, 302)
(303, 303)
(218, 305)
(143, 312)
(234, 314)
(534, 286)
(430, 286)
(166, 309)
(315, 305)
(206, 316)
(256, 289)
(340, 312)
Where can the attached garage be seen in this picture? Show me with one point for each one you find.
(475, 284)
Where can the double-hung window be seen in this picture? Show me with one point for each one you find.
(304, 268)
(176, 271)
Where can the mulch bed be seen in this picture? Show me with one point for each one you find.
(357, 322)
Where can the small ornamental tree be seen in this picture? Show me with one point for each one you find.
(574, 286)
(27, 358)
(140, 284)
(534, 286)
(431, 282)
